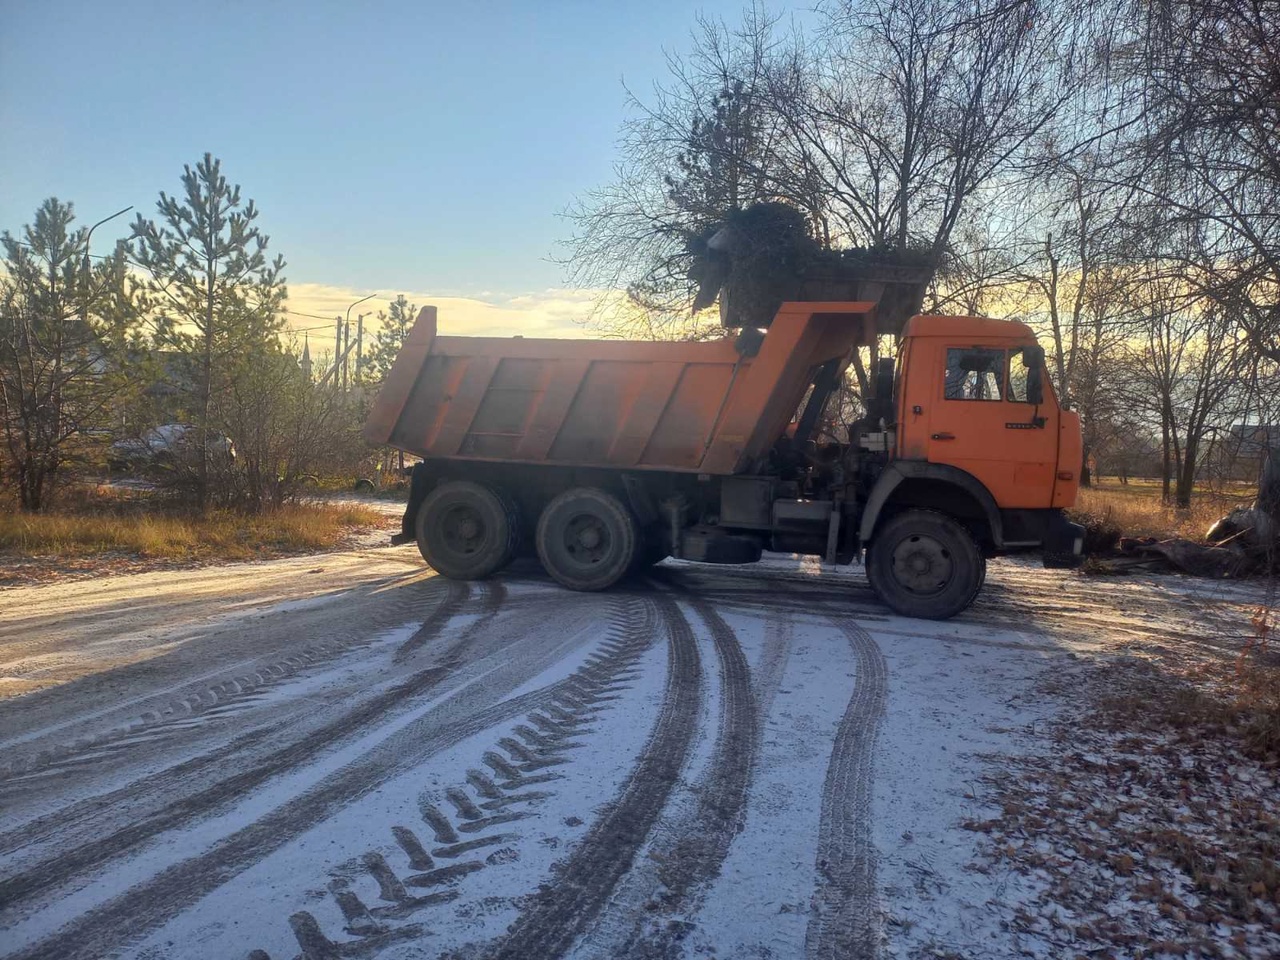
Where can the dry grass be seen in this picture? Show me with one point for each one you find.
(103, 522)
(1135, 509)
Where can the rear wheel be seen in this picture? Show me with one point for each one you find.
(587, 539)
(924, 564)
(466, 531)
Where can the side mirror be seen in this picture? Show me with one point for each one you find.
(1033, 360)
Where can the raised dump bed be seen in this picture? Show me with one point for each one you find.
(709, 407)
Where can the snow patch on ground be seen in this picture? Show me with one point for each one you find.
(771, 863)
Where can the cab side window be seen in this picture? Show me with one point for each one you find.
(975, 373)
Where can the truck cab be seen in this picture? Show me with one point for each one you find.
(963, 454)
(979, 442)
(974, 396)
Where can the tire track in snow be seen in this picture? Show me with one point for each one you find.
(844, 923)
(78, 858)
(140, 909)
(495, 597)
(567, 905)
(696, 856)
(778, 635)
(587, 692)
(189, 694)
(187, 713)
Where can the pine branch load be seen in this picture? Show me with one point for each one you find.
(762, 256)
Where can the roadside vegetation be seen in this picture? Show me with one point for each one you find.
(1110, 509)
(101, 529)
(171, 358)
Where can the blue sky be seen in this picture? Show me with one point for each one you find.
(390, 146)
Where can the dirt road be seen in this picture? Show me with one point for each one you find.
(346, 756)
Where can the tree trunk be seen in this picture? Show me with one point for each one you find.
(206, 383)
(1269, 486)
(1086, 476)
(1165, 466)
(33, 477)
(1186, 476)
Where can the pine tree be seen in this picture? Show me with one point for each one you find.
(393, 330)
(66, 333)
(215, 296)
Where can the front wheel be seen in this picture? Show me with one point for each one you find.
(924, 564)
(466, 531)
(587, 539)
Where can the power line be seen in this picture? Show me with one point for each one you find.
(95, 256)
(313, 316)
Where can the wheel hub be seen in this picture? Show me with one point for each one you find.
(463, 530)
(587, 539)
(922, 565)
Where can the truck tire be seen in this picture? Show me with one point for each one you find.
(587, 539)
(466, 531)
(924, 564)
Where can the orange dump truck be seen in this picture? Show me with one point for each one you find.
(604, 457)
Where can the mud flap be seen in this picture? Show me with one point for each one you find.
(1063, 543)
(419, 487)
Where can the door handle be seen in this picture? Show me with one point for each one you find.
(943, 436)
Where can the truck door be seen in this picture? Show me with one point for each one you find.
(981, 422)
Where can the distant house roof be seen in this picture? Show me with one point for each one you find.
(1256, 437)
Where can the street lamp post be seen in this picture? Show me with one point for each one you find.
(88, 236)
(347, 328)
(84, 314)
(359, 345)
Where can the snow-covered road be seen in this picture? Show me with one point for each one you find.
(346, 756)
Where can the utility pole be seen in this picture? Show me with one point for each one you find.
(337, 349)
(344, 356)
(359, 345)
(346, 348)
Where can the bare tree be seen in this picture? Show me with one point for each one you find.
(706, 143)
(286, 427)
(882, 129)
(1201, 149)
(1183, 370)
